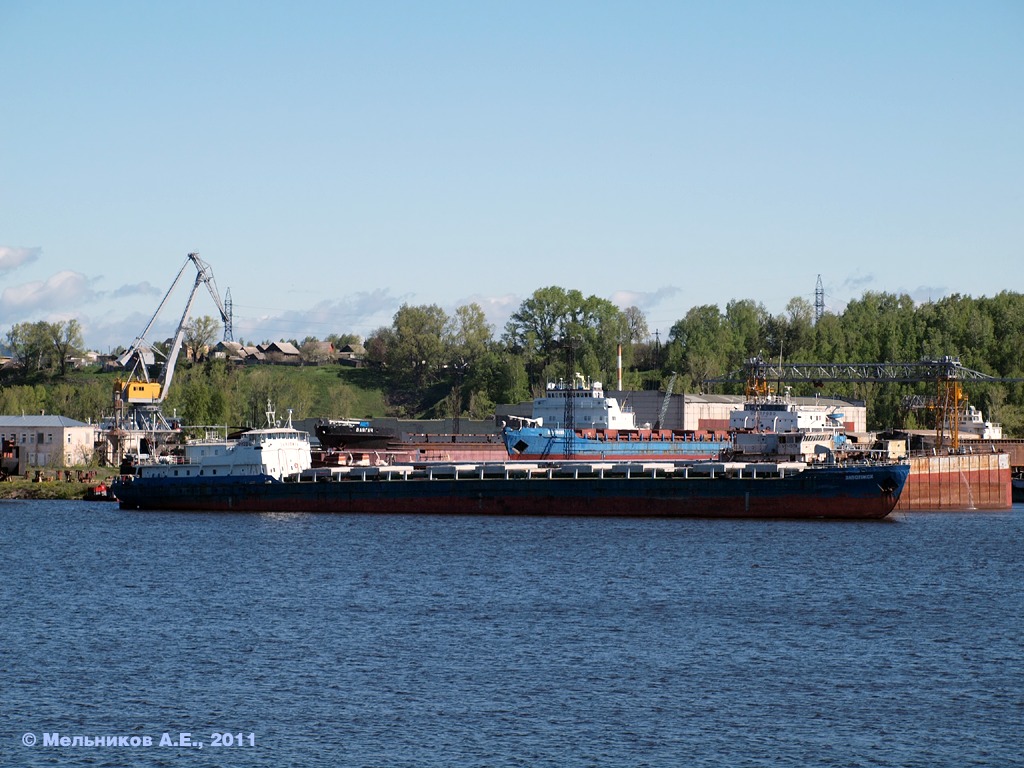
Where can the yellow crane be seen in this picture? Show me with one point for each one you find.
(137, 389)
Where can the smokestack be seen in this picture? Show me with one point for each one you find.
(620, 367)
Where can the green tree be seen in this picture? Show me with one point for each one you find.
(340, 340)
(471, 357)
(66, 338)
(536, 330)
(636, 322)
(545, 323)
(377, 345)
(31, 345)
(881, 328)
(23, 399)
(417, 349)
(468, 334)
(830, 339)
(87, 400)
(200, 333)
(745, 320)
(700, 344)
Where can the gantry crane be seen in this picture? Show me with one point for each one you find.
(146, 395)
(946, 372)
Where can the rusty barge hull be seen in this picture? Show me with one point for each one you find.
(957, 483)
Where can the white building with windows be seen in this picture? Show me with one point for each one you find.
(50, 441)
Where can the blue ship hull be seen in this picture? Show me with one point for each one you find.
(556, 444)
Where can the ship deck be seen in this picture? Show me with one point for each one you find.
(509, 470)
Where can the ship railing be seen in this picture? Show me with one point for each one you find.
(557, 471)
(167, 459)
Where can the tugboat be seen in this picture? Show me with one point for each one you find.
(353, 435)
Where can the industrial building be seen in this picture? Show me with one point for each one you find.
(50, 441)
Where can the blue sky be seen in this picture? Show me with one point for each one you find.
(333, 160)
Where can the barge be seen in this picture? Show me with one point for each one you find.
(269, 470)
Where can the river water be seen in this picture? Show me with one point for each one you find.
(432, 641)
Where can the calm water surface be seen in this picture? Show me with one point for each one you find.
(430, 641)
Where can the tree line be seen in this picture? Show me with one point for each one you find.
(434, 364)
(425, 352)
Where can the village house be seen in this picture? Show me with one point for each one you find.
(352, 355)
(281, 353)
(231, 351)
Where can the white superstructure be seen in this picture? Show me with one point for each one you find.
(973, 424)
(591, 408)
(776, 426)
(275, 451)
(781, 414)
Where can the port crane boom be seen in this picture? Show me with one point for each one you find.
(138, 389)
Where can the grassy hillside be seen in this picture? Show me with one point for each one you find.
(213, 393)
(340, 391)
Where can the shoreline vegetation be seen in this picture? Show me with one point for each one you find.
(54, 484)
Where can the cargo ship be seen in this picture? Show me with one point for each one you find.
(270, 469)
(600, 429)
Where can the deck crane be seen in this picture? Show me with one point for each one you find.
(946, 373)
(137, 389)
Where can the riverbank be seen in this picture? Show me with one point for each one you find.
(51, 488)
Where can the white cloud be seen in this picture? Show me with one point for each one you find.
(144, 288)
(110, 332)
(858, 282)
(11, 258)
(644, 300)
(55, 294)
(359, 313)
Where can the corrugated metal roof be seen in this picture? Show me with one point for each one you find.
(39, 420)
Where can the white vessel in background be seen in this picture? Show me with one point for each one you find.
(271, 453)
(973, 424)
(773, 426)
